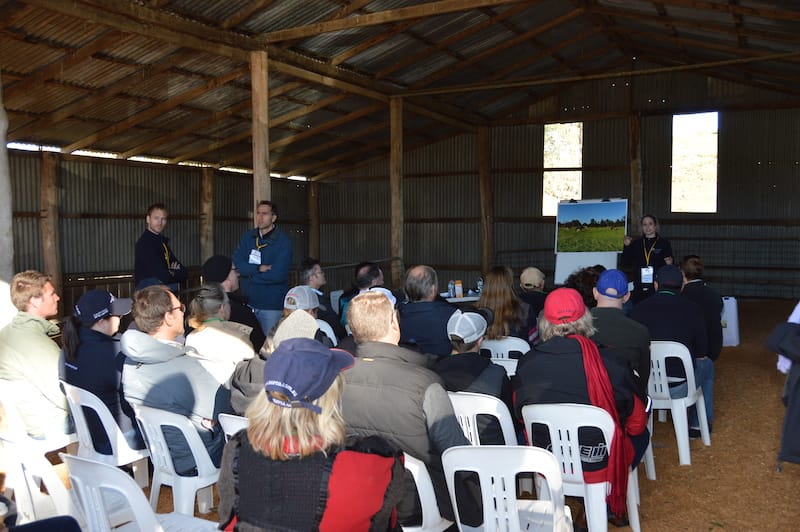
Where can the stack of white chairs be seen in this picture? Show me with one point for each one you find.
(121, 452)
(563, 422)
(659, 391)
(184, 489)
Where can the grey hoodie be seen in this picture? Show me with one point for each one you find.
(160, 375)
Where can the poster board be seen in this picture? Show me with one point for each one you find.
(589, 232)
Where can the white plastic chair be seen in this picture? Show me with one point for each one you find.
(510, 365)
(231, 424)
(121, 452)
(432, 521)
(335, 295)
(563, 421)
(467, 406)
(659, 391)
(497, 468)
(184, 489)
(507, 347)
(95, 481)
(15, 426)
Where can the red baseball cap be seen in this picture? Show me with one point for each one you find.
(563, 305)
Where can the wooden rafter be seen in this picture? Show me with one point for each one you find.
(429, 9)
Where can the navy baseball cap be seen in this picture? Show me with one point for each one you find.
(303, 369)
(95, 305)
(669, 276)
(612, 283)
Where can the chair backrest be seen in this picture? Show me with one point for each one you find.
(507, 347)
(27, 470)
(78, 399)
(94, 481)
(563, 421)
(497, 468)
(152, 420)
(660, 351)
(510, 365)
(335, 295)
(467, 406)
(232, 424)
(432, 521)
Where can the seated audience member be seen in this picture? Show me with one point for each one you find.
(669, 315)
(247, 380)
(304, 298)
(312, 275)
(391, 392)
(531, 283)
(423, 318)
(567, 367)
(613, 329)
(292, 469)
(584, 281)
(466, 370)
(220, 269)
(218, 343)
(159, 374)
(92, 360)
(699, 291)
(510, 313)
(29, 358)
(367, 275)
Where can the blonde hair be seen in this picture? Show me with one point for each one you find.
(370, 316)
(308, 432)
(27, 285)
(498, 296)
(583, 326)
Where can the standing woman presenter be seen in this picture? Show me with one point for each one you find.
(643, 257)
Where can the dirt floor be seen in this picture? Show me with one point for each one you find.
(733, 484)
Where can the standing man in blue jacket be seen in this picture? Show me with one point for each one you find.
(264, 258)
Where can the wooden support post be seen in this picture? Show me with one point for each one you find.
(635, 154)
(206, 214)
(6, 207)
(396, 187)
(313, 220)
(487, 209)
(259, 83)
(48, 224)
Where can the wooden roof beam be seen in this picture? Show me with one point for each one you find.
(735, 9)
(429, 9)
(156, 110)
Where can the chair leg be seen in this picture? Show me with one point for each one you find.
(633, 501)
(662, 416)
(155, 490)
(649, 459)
(205, 500)
(702, 418)
(681, 423)
(183, 494)
(595, 504)
(140, 472)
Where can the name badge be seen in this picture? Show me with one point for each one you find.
(647, 275)
(255, 257)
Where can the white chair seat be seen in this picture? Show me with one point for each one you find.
(659, 391)
(121, 452)
(184, 489)
(497, 468)
(563, 422)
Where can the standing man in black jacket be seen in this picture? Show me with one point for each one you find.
(154, 258)
(699, 291)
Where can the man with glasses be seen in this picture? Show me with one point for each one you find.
(312, 275)
(158, 373)
(29, 358)
(264, 258)
(220, 269)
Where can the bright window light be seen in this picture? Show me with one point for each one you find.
(694, 162)
(563, 158)
(92, 153)
(148, 159)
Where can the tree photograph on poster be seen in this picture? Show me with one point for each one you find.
(591, 225)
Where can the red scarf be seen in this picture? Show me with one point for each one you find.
(601, 394)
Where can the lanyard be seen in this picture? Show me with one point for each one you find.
(166, 254)
(650, 252)
(259, 246)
